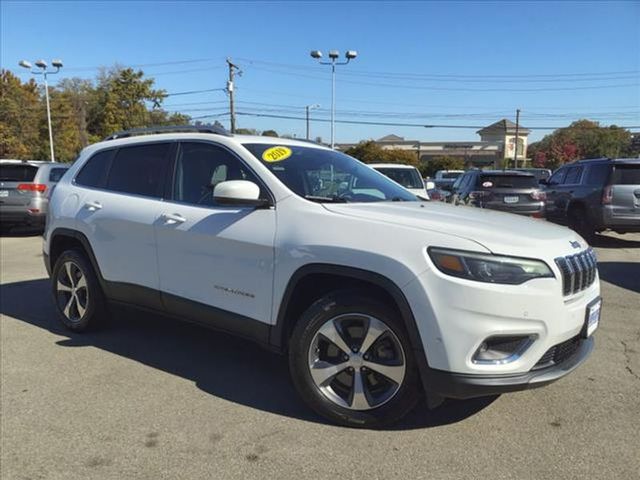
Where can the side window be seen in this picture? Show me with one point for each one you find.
(573, 175)
(457, 183)
(56, 174)
(200, 167)
(598, 174)
(140, 169)
(94, 171)
(558, 177)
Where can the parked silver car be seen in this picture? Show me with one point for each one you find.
(25, 186)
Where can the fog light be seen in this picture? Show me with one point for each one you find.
(502, 349)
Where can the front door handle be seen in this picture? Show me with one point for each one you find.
(93, 206)
(172, 218)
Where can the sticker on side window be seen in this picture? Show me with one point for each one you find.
(276, 154)
(487, 184)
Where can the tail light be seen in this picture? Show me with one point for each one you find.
(539, 196)
(31, 187)
(479, 195)
(607, 195)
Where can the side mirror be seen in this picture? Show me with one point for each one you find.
(240, 193)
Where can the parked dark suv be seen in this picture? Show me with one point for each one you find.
(506, 190)
(595, 195)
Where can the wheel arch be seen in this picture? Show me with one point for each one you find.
(64, 239)
(312, 281)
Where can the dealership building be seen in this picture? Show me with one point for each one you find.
(497, 142)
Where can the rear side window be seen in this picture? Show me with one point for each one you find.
(56, 174)
(573, 175)
(94, 172)
(558, 177)
(598, 174)
(140, 170)
(17, 173)
(626, 175)
(508, 181)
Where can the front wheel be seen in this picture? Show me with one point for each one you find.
(351, 361)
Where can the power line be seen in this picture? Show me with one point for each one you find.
(195, 91)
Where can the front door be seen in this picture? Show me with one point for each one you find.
(212, 255)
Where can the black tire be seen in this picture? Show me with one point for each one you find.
(580, 222)
(341, 304)
(94, 312)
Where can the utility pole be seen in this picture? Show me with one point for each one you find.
(230, 91)
(515, 153)
(308, 109)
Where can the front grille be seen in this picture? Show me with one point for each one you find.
(559, 353)
(578, 271)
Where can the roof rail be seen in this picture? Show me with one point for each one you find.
(134, 132)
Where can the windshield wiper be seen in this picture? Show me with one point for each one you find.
(320, 199)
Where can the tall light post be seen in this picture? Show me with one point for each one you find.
(333, 61)
(308, 108)
(42, 69)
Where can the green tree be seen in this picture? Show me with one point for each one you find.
(581, 139)
(20, 113)
(270, 133)
(441, 163)
(123, 98)
(368, 151)
(246, 131)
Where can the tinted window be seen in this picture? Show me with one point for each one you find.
(407, 177)
(558, 177)
(598, 174)
(458, 182)
(17, 173)
(140, 170)
(56, 174)
(573, 175)
(626, 175)
(451, 175)
(200, 167)
(94, 172)
(508, 181)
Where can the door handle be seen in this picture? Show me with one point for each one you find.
(93, 206)
(172, 218)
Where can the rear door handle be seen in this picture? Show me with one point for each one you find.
(172, 218)
(93, 206)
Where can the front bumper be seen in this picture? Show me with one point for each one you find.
(463, 386)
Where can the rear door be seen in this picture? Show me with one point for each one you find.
(17, 189)
(117, 213)
(625, 189)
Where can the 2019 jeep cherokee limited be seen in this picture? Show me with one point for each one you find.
(374, 295)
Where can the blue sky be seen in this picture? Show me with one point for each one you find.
(438, 63)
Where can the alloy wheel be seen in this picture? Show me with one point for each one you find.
(71, 291)
(357, 361)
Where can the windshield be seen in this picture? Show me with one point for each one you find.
(407, 177)
(326, 175)
(508, 181)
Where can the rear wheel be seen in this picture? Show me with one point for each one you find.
(76, 292)
(351, 361)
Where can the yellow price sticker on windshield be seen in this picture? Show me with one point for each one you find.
(276, 154)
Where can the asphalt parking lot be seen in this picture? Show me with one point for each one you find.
(151, 398)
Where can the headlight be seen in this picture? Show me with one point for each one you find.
(489, 268)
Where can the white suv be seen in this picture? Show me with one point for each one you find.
(374, 295)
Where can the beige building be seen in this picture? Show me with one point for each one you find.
(497, 142)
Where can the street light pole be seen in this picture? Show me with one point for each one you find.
(333, 57)
(308, 108)
(42, 65)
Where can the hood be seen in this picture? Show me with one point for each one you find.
(501, 233)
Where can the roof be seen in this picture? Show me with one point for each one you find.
(28, 162)
(391, 138)
(511, 173)
(390, 165)
(608, 160)
(502, 126)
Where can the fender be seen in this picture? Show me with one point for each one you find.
(278, 331)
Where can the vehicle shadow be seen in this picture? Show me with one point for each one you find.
(606, 241)
(219, 364)
(20, 232)
(622, 274)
